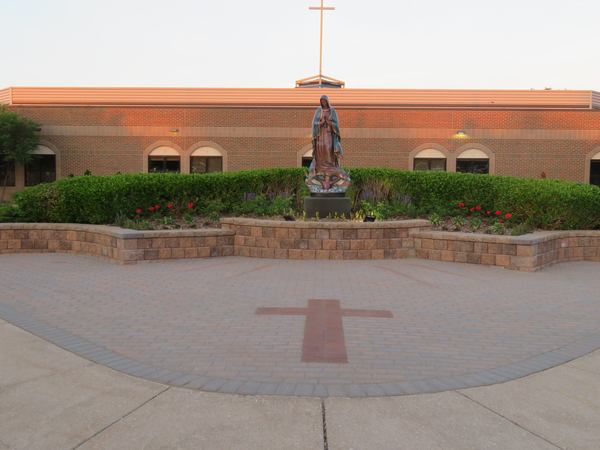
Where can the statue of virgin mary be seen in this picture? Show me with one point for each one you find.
(325, 174)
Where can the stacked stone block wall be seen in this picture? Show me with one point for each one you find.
(116, 244)
(528, 253)
(305, 240)
(323, 240)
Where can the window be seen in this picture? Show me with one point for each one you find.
(473, 161)
(7, 172)
(164, 160)
(206, 164)
(206, 160)
(42, 168)
(436, 164)
(473, 166)
(595, 172)
(164, 164)
(430, 159)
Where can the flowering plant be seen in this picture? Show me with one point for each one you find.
(476, 217)
(172, 207)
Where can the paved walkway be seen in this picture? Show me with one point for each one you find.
(307, 328)
(52, 399)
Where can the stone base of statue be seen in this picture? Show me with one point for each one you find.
(324, 206)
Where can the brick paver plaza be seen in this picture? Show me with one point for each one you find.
(317, 328)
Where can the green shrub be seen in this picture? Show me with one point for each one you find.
(381, 210)
(546, 204)
(475, 224)
(435, 219)
(497, 228)
(262, 206)
(458, 222)
(101, 199)
(8, 213)
(520, 229)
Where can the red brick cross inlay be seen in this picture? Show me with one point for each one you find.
(324, 329)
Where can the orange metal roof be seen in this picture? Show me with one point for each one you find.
(386, 98)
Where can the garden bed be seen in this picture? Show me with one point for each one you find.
(478, 219)
(178, 216)
(384, 193)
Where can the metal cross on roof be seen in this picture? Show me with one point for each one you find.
(321, 9)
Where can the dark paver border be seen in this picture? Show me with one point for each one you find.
(104, 356)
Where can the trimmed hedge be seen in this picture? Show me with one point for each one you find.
(546, 204)
(103, 199)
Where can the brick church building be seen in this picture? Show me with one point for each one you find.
(535, 133)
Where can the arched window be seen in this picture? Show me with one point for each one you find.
(206, 160)
(430, 159)
(595, 169)
(42, 167)
(163, 160)
(473, 161)
(307, 159)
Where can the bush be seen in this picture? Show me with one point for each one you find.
(101, 199)
(9, 213)
(546, 204)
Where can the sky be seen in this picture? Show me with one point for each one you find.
(406, 44)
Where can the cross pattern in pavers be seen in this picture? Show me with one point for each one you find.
(194, 322)
(324, 340)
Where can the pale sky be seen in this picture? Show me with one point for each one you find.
(508, 44)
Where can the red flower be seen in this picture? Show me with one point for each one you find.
(472, 209)
(157, 207)
(498, 213)
(488, 213)
(170, 205)
(139, 210)
(151, 209)
(507, 215)
(478, 208)
(461, 205)
(190, 205)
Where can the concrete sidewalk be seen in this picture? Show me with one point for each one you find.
(53, 399)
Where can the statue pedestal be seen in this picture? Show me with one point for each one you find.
(327, 206)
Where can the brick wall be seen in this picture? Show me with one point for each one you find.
(109, 139)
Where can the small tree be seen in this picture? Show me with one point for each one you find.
(19, 137)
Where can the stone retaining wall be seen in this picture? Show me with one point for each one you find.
(528, 252)
(305, 240)
(117, 244)
(323, 240)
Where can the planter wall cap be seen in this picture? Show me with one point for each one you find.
(185, 233)
(526, 239)
(324, 225)
(117, 232)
